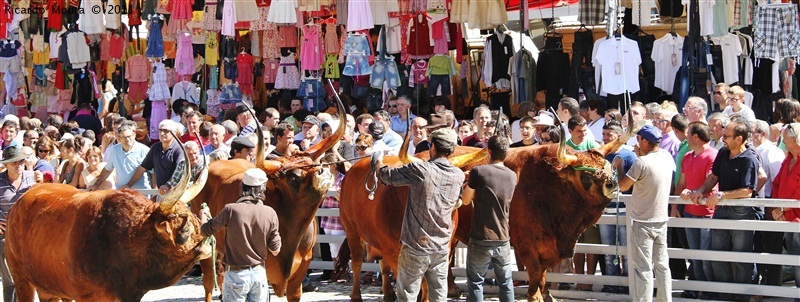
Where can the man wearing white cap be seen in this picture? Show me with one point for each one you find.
(434, 188)
(252, 233)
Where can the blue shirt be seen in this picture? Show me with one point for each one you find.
(393, 140)
(398, 124)
(126, 163)
(9, 194)
(628, 158)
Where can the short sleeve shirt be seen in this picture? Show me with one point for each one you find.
(10, 194)
(738, 172)
(650, 199)
(126, 163)
(163, 161)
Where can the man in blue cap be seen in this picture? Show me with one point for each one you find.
(649, 210)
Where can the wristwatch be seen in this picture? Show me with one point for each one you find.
(719, 195)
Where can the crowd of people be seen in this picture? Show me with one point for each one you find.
(702, 156)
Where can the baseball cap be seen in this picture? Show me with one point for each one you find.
(254, 177)
(445, 134)
(650, 133)
(377, 130)
(311, 119)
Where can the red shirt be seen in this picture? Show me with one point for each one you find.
(695, 169)
(188, 137)
(786, 185)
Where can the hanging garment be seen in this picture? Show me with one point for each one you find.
(231, 94)
(523, 76)
(499, 48)
(357, 50)
(591, 12)
(554, 63)
(667, 55)
(91, 23)
(746, 59)
(213, 77)
(113, 9)
(393, 43)
(230, 70)
(331, 67)
(269, 47)
(228, 19)
(212, 102)
(619, 60)
(487, 14)
(83, 89)
(459, 11)
(776, 33)
(644, 7)
(419, 44)
(581, 69)
(245, 64)
(261, 23)
(313, 94)
(246, 10)
(311, 50)
(211, 23)
(359, 15)
(77, 49)
(419, 73)
(283, 12)
(54, 9)
(287, 77)
(158, 113)
(731, 50)
(159, 90)
(185, 90)
(331, 38)
(385, 70)
(271, 71)
(184, 62)
(155, 42)
(212, 48)
(720, 18)
(182, 9)
(288, 36)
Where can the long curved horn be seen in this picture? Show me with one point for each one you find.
(473, 158)
(404, 157)
(260, 156)
(200, 181)
(563, 158)
(169, 200)
(320, 148)
(613, 146)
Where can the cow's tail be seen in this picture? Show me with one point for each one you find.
(341, 268)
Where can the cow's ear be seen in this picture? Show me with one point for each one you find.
(164, 228)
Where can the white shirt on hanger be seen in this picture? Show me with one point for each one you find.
(668, 55)
(646, 8)
(597, 68)
(731, 50)
(706, 10)
(620, 59)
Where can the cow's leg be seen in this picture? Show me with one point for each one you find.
(294, 288)
(24, 290)
(386, 287)
(207, 267)
(535, 278)
(452, 289)
(356, 260)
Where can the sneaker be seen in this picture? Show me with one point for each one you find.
(310, 287)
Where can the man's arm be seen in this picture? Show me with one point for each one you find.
(100, 179)
(405, 175)
(762, 179)
(209, 227)
(135, 177)
(625, 182)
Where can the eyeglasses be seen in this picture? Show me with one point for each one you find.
(43, 151)
(792, 129)
(545, 140)
(361, 148)
(163, 131)
(392, 106)
(717, 92)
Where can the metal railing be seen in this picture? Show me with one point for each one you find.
(735, 288)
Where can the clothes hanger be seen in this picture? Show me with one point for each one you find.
(582, 28)
(672, 29)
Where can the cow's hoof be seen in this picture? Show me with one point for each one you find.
(389, 298)
(356, 300)
(549, 298)
(454, 293)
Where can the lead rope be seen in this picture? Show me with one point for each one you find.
(211, 240)
(616, 231)
(372, 175)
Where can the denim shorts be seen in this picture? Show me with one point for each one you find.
(384, 70)
(231, 71)
(356, 64)
(213, 77)
(439, 80)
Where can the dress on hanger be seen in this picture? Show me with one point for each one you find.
(155, 42)
(159, 90)
(419, 45)
(287, 77)
(310, 51)
(359, 15)
(283, 12)
(112, 16)
(212, 48)
(91, 23)
(331, 38)
(245, 66)
(184, 62)
(210, 22)
(182, 9)
(271, 70)
(269, 48)
(228, 19)
(246, 10)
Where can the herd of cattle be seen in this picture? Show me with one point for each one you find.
(116, 245)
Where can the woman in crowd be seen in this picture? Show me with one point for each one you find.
(94, 166)
(613, 115)
(364, 145)
(46, 150)
(72, 163)
(786, 111)
(332, 224)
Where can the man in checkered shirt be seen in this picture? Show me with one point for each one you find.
(434, 188)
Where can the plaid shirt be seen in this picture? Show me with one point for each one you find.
(176, 176)
(592, 12)
(332, 222)
(434, 188)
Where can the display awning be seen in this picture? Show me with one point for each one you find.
(513, 5)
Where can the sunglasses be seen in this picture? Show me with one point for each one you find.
(163, 131)
(361, 148)
(545, 140)
(392, 106)
(43, 151)
(717, 92)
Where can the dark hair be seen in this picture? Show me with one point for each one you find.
(193, 114)
(205, 129)
(256, 192)
(55, 120)
(787, 110)
(68, 127)
(740, 128)
(301, 114)
(11, 124)
(570, 104)
(614, 126)
(679, 122)
(498, 145)
(526, 119)
(576, 121)
(702, 131)
(597, 105)
(281, 129)
(285, 103)
(441, 100)
(555, 134)
(615, 114)
(177, 106)
(443, 148)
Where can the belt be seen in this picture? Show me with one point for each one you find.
(242, 267)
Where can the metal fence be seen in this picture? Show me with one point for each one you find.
(763, 290)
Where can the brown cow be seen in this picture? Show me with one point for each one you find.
(111, 245)
(560, 194)
(296, 188)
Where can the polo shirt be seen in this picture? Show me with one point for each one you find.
(695, 167)
(9, 194)
(398, 124)
(738, 172)
(670, 144)
(787, 185)
(625, 53)
(586, 145)
(393, 140)
(126, 163)
(163, 161)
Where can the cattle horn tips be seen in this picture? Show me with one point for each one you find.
(562, 156)
(199, 182)
(169, 200)
(468, 159)
(260, 156)
(320, 148)
(404, 157)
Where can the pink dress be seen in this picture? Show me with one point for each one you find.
(228, 19)
(182, 9)
(270, 71)
(310, 50)
(359, 15)
(270, 49)
(184, 63)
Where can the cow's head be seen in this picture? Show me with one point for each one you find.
(590, 171)
(177, 228)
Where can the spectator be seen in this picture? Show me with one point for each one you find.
(284, 139)
(364, 145)
(786, 111)
(492, 186)
(768, 242)
(696, 165)
(718, 122)
(596, 111)
(680, 125)
(398, 121)
(9, 194)
(53, 133)
(350, 121)
(218, 155)
(243, 148)
(542, 122)
(526, 108)
(245, 120)
(193, 121)
(216, 140)
(271, 118)
(377, 130)
(324, 117)
(110, 138)
(9, 133)
(362, 122)
(295, 105)
(695, 109)
(347, 145)
(196, 163)
(393, 140)
(89, 138)
(721, 96)
(785, 186)
(18, 134)
(551, 135)
(639, 112)
(54, 120)
(613, 115)
(736, 169)
(488, 131)
(31, 138)
(391, 106)
(42, 165)
(86, 119)
(124, 159)
(46, 150)
(737, 106)
(527, 132)
(231, 131)
(205, 131)
(71, 163)
(310, 133)
(669, 141)
(162, 158)
(299, 117)
(567, 108)
(465, 130)
(419, 137)
(480, 117)
(648, 209)
(616, 235)
(579, 133)
(94, 166)
(441, 103)
(332, 225)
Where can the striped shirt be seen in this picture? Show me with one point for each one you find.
(434, 188)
